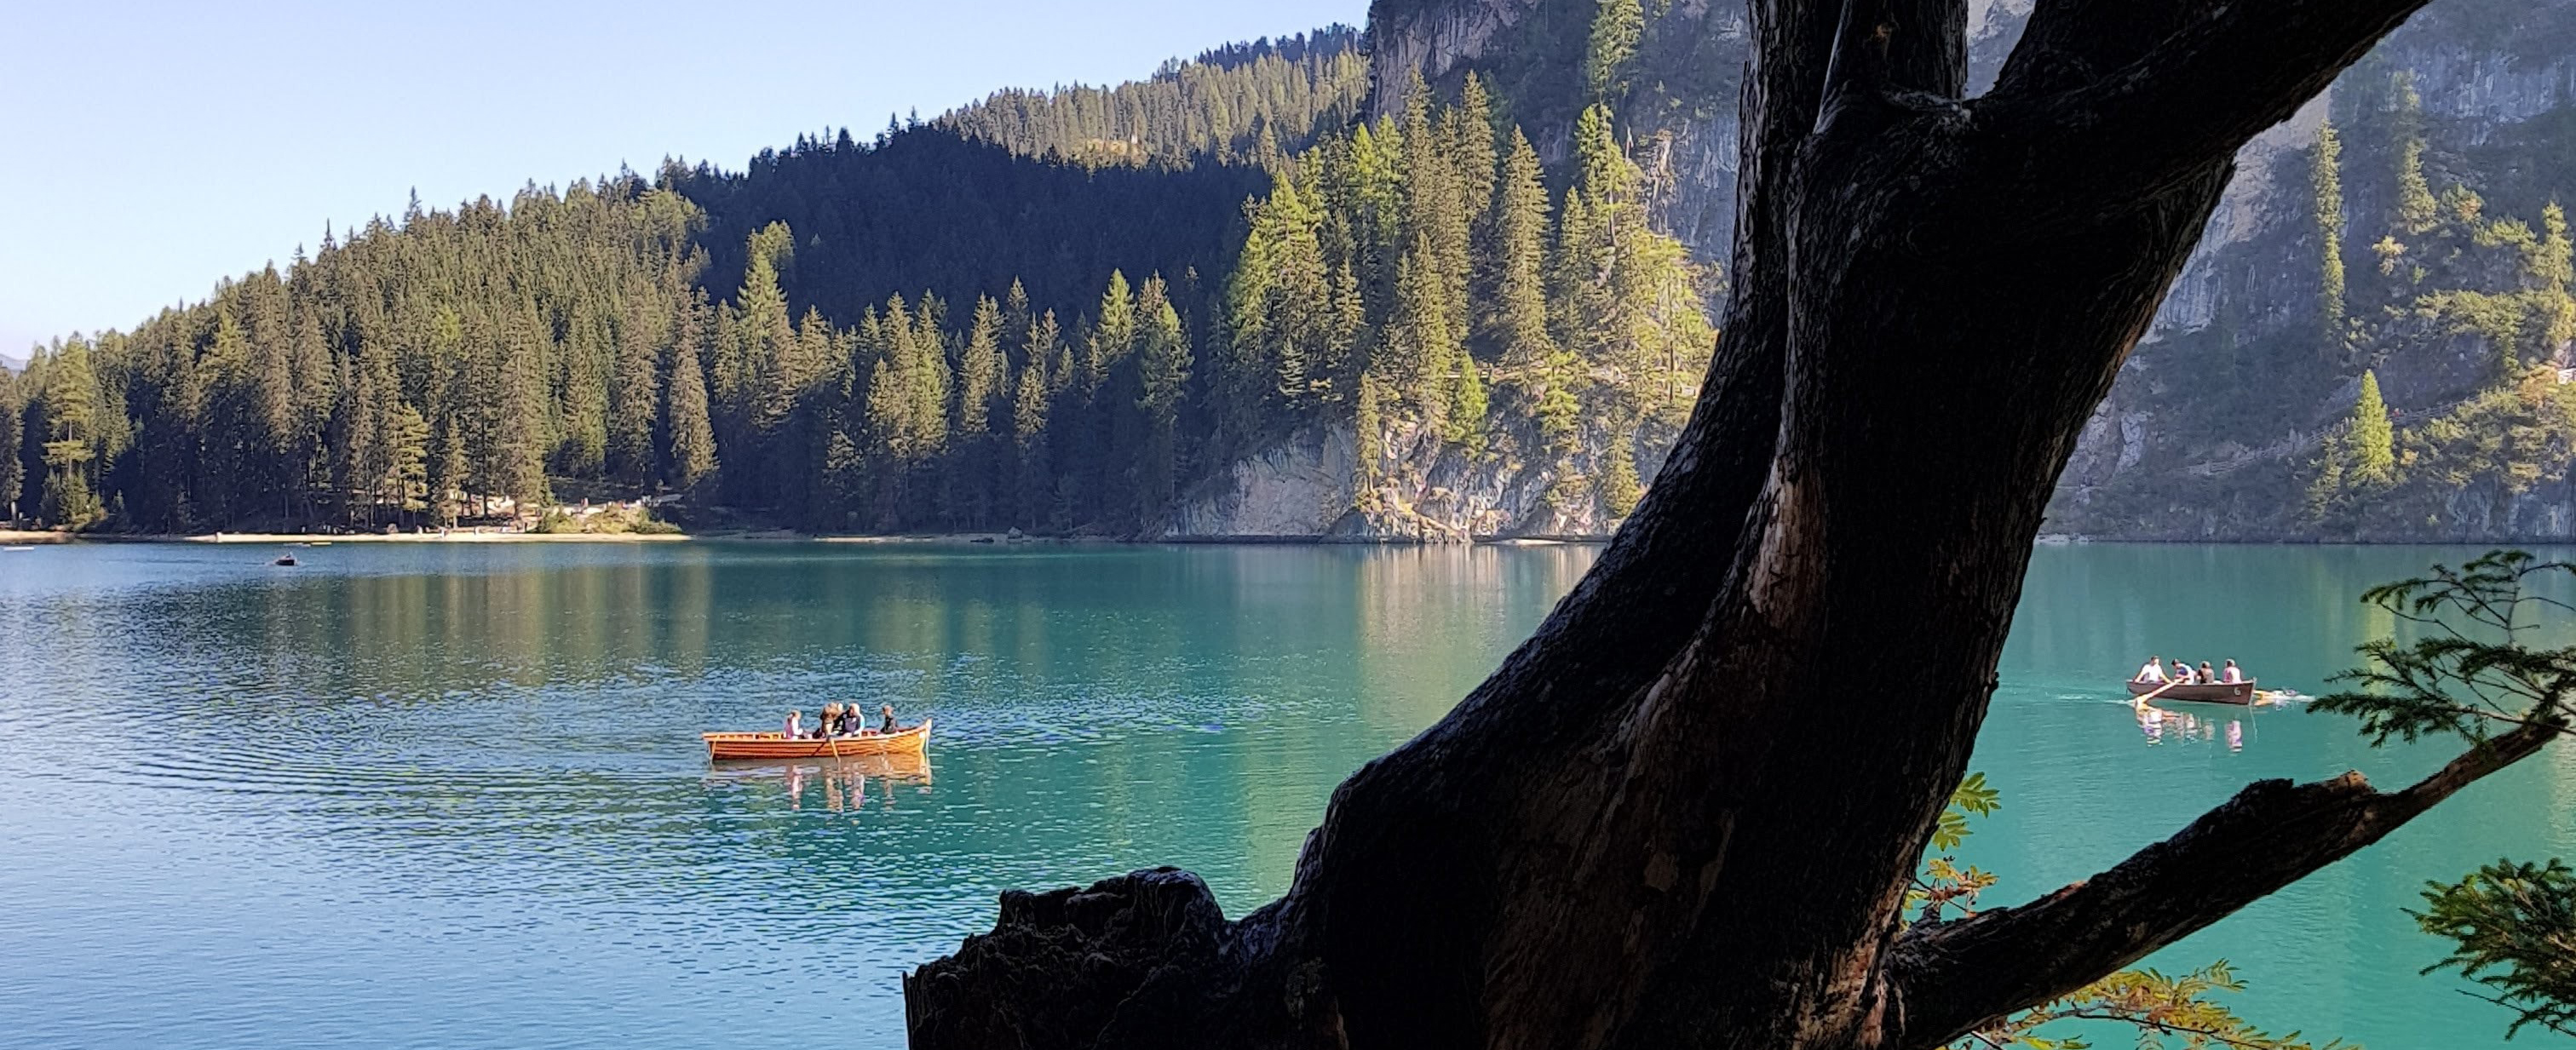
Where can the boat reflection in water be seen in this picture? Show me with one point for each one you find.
(2160, 725)
(833, 785)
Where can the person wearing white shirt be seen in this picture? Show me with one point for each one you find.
(2232, 674)
(2154, 671)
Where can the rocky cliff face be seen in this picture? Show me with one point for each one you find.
(1678, 107)
(2497, 79)
(2497, 89)
(1414, 487)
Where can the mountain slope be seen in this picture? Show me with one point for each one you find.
(2227, 422)
(2452, 143)
(993, 319)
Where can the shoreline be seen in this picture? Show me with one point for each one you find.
(10, 537)
(37, 537)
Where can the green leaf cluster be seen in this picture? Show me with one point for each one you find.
(2514, 927)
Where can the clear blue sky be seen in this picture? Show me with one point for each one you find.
(151, 148)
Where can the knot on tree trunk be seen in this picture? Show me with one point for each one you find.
(1059, 966)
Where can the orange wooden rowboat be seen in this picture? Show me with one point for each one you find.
(908, 741)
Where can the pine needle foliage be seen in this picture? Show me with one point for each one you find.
(2473, 665)
(2179, 1012)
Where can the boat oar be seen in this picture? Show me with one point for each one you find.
(2141, 702)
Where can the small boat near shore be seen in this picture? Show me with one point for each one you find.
(910, 741)
(2241, 694)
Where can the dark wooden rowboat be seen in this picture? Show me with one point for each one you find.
(908, 741)
(2239, 693)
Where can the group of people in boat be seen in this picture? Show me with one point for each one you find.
(841, 720)
(2184, 674)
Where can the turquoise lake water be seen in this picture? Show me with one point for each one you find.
(448, 796)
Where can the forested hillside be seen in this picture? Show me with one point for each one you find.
(982, 321)
(467, 353)
(1382, 323)
(1241, 104)
(2376, 343)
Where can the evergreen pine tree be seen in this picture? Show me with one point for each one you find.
(1464, 423)
(2328, 179)
(1620, 489)
(310, 367)
(635, 398)
(2552, 271)
(1515, 315)
(1368, 425)
(1163, 365)
(688, 434)
(1016, 317)
(269, 379)
(581, 445)
(887, 414)
(1471, 145)
(2371, 440)
(12, 472)
(446, 474)
(520, 440)
(930, 379)
(771, 363)
(982, 376)
(1280, 306)
(407, 458)
(1435, 210)
(70, 407)
(1114, 337)
(1419, 349)
(1029, 400)
(2417, 211)
(358, 458)
(979, 366)
(1617, 27)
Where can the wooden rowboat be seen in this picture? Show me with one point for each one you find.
(2239, 693)
(908, 741)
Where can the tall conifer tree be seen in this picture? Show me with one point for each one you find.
(1163, 364)
(70, 406)
(688, 435)
(1514, 328)
(12, 472)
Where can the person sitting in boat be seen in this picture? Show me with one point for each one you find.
(2182, 673)
(2207, 676)
(795, 725)
(2232, 675)
(831, 722)
(2154, 671)
(853, 721)
(885, 719)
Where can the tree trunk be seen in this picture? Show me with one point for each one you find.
(1750, 714)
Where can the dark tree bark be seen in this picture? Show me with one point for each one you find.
(1686, 811)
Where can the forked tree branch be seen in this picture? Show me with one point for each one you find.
(2067, 44)
(1949, 979)
(1901, 45)
(2221, 75)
